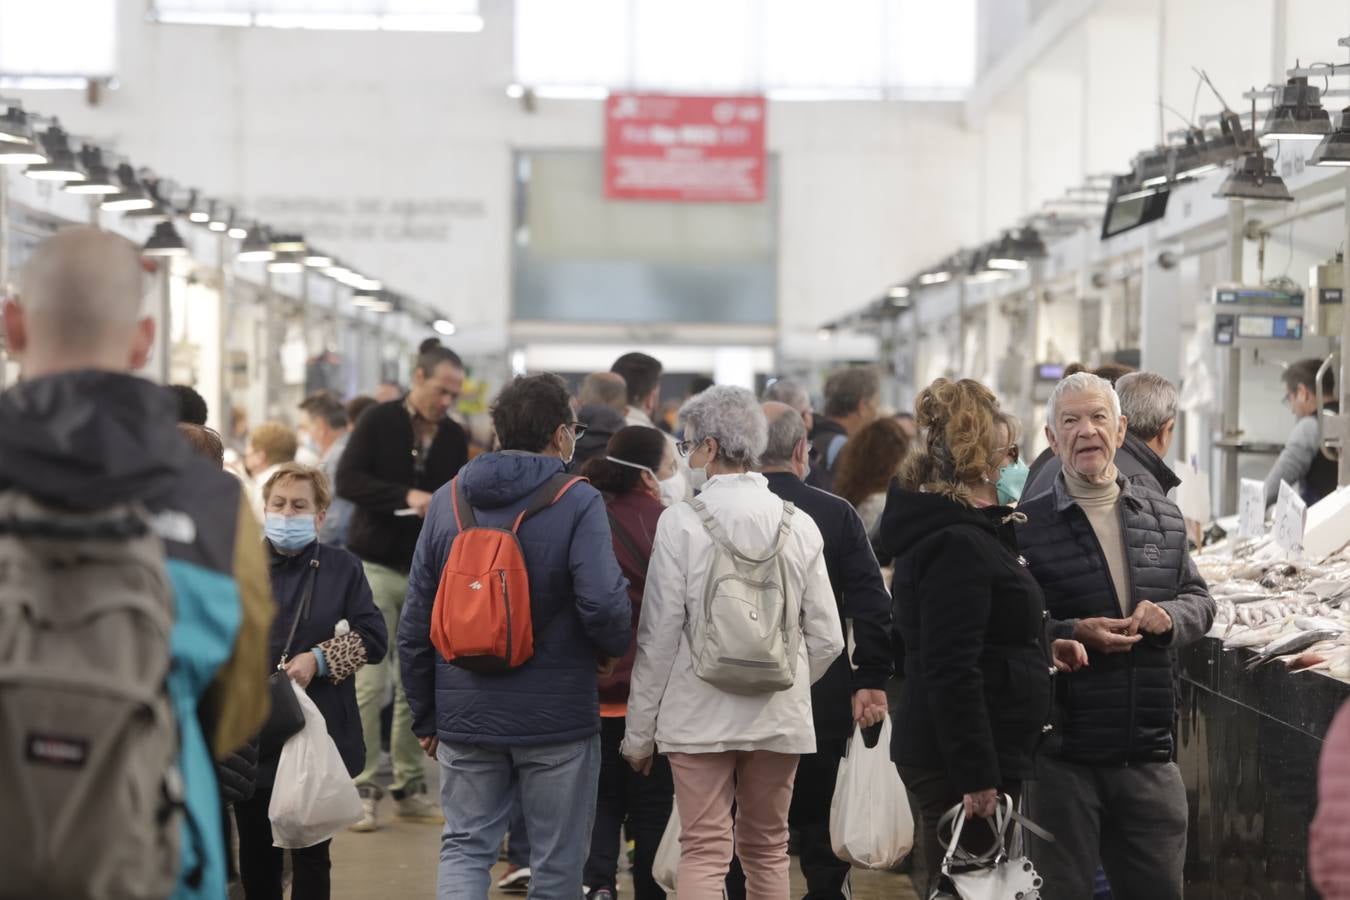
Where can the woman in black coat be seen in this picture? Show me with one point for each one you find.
(322, 593)
(969, 617)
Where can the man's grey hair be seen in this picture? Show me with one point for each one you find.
(604, 389)
(1081, 383)
(785, 433)
(82, 290)
(846, 389)
(731, 415)
(789, 392)
(1148, 402)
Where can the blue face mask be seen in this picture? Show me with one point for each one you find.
(290, 532)
(1011, 480)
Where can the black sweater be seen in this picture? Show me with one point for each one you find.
(376, 472)
(861, 595)
(971, 620)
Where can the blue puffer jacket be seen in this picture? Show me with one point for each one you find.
(578, 601)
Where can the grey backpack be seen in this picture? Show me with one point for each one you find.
(90, 793)
(747, 638)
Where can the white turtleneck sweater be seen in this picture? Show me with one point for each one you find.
(1099, 502)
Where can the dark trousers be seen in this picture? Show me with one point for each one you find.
(935, 795)
(644, 801)
(260, 863)
(1133, 817)
(809, 816)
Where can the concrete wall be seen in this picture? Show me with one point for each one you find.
(394, 151)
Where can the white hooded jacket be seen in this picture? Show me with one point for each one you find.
(669, 706)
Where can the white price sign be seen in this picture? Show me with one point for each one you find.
(1251, 510)
(1291, 515)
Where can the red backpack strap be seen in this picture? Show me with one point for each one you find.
(550, 493)
(464, 517)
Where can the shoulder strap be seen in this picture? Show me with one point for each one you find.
(301, 611)
(623, 537)
(550, 493)
(464, 517)
(714, 529)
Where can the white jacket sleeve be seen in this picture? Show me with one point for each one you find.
(660, 630)
(821, 628)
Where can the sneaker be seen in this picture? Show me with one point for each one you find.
(415, 807)
(516, 880)
(370, 800)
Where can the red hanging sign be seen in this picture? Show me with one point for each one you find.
(700, 149)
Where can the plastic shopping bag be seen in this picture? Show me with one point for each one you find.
(667, 861)
(314, 797)
(870, 822)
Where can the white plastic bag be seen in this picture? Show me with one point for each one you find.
(870, 822)
(314, 797)
(666, 864)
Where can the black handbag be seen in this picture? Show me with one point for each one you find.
(286, 718)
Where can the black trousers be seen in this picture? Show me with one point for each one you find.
(644, 801)
(260, 863)
(935, 794)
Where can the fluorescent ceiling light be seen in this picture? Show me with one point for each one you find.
(238, 232)
(444, 327)
(899, 292)
(316, 260)
(930, 278)
(20, 155)
(285, 267)
(1006, 265)
(986, 276)
(367, 284)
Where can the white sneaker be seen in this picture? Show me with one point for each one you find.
(370, 800)
(415, 807)
(515, 881)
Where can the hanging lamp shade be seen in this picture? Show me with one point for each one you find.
(166, 241)
(1335, 147)
(1253, 178)
(15, 127)
(98, 180)
(132, 195)
(61, 164)
(1297, 114)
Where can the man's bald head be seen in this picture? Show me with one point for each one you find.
(80, 305)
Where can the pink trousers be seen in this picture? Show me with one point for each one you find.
(760, 784)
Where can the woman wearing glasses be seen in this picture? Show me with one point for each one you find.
(728, 746)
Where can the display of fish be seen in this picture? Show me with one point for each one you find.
(1319, 623)
(1293, 643)
(1254, 637)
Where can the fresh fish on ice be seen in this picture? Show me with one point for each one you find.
(1291, 644)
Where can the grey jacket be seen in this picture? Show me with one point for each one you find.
(1297, 464)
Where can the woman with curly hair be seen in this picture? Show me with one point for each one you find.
(867, 466)
(970, 617)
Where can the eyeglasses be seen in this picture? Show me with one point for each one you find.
(687, 447)
(577, 430)
(1011, 451)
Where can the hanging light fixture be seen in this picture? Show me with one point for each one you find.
(316, 260)
(158, 209)
(237, 229)
(219, 218)
(97, 178)
(361, 283)
(61, 164)
(14, 154)
(1014, 252)
(288, 255)
(132, 196)
(979, 271)
(256, 247)
(1335, 147)
(444, 327)
(15, 127)
(166, 241)
(1297, 113)
(198, 212)
(1253, 178)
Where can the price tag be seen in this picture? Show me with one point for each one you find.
(1251, 510)
(1291, 515)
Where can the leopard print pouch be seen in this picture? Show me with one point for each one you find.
(344, 655)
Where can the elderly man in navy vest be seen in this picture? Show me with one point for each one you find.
(1113, 561)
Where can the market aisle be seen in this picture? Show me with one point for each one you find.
(399, 861)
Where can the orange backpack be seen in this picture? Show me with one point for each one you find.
(481, 619)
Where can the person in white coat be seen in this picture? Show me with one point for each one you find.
(724, 747)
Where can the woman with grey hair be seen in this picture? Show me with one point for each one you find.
(729, 737)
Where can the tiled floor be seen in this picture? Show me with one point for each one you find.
(399, 861)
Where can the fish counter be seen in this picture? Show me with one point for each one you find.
(1258, 695)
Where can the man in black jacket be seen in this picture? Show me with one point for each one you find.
(852, 402)
(843, 696)
(1113, 561)
(399, 454)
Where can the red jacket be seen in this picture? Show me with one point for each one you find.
(636, 513)
(1329, 836)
